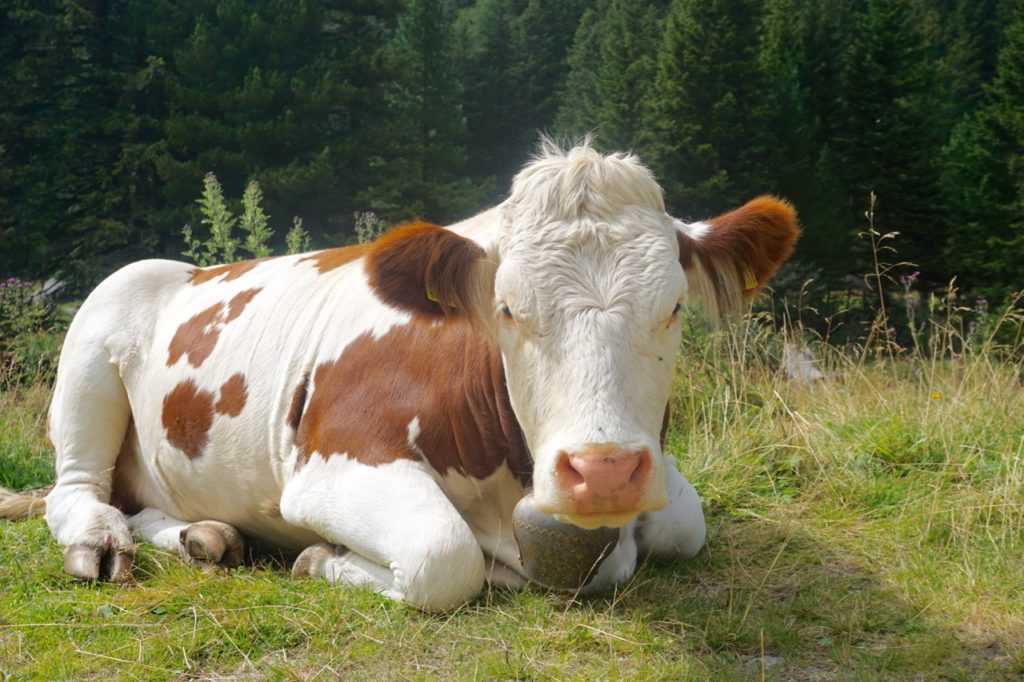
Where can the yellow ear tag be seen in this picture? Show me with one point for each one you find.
(435, 299)
(749, 281)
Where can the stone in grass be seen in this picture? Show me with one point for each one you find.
(555, 554)
(764, 662)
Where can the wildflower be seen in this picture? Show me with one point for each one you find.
(935, 395)
(911, 303)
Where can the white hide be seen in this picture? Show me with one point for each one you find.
(678, 530)
(394, 517)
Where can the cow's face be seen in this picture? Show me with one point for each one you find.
(580, 282)
(586, 313)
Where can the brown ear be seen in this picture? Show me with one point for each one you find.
(738, 252)
(429, 270)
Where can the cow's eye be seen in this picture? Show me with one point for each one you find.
(675, 311)
(505, 312)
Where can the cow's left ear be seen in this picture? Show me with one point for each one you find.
(431, 271)
(728, 259)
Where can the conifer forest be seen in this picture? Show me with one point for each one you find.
(113, 111)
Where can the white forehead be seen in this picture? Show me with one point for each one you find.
(565, 187)
(579, 221)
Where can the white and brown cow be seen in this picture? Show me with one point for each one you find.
(382, 408)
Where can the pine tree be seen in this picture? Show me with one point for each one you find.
(60, 132)
(418, 170)
(612, 73)
(626, 73)
(580, 104)
(983, 181)
(888, 134)
(495, 90)
(796, 165)
(705, 106)
(542, 36)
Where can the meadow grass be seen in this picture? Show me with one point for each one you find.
(867, 526)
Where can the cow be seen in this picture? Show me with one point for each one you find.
(380, 409)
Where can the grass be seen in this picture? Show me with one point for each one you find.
(869, 526)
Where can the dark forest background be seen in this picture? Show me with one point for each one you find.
(112, 112)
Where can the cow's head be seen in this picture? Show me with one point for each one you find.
(580, 278)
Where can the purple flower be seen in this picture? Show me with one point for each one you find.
(911, 303)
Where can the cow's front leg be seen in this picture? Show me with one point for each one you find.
(390, 528)
(678, 530)
(203, 544)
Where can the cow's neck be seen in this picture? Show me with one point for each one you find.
(484, 430)
(423, 390)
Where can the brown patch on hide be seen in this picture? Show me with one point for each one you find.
(298, 404)
(447, 376)
(187, 417)
(424, 269)
(232, 396)
(332, 259)
(226, 272)
(197, 337)
(239, 301)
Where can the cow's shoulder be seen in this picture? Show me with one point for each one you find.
(424, 391)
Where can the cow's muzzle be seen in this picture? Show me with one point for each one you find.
(604, 480)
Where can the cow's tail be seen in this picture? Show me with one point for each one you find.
(20, 505)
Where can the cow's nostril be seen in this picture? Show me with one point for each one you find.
(643, 466)
(568, 472)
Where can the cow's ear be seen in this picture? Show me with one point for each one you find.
(728, 259)
(431, 271)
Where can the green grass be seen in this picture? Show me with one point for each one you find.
(26, 459)
(868, 527)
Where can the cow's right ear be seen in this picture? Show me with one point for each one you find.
(430, 271)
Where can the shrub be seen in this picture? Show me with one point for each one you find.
(29, 348)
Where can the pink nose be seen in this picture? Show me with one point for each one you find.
(604, 479)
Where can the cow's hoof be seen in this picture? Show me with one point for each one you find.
(89, 562)
(310, 564)
(212, 543)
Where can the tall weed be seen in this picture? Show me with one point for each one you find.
(222, 245)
